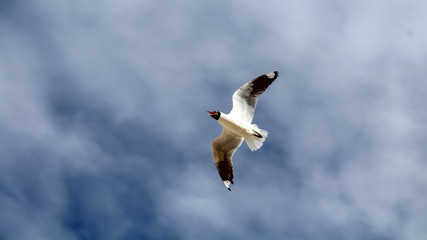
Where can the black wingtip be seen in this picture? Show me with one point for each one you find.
(276, 74)
(229, 189)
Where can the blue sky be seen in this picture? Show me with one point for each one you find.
(104, 132)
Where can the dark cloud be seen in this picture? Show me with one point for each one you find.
(104, 133)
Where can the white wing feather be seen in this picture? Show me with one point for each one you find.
(246, 97)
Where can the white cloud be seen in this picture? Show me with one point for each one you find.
(89, 92)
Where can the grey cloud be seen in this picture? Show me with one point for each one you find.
(104, 133)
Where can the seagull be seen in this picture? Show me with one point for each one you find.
(237, 126)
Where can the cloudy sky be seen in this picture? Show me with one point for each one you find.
(104, 132)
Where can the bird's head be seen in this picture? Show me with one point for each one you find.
(214, 114)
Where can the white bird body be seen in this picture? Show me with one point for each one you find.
(237, 126)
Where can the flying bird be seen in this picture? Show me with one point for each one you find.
(237, 126)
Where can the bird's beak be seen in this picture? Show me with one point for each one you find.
(211, 113)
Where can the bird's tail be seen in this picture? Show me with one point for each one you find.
(256, 140)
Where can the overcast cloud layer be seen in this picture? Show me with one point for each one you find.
(104, 132)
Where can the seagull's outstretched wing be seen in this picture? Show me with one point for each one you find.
(245, 98)
(223, 148)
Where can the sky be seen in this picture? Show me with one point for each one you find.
(104, 132)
